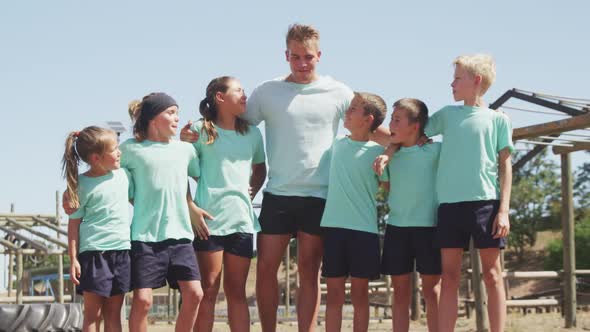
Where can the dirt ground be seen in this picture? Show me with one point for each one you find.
(515, 323)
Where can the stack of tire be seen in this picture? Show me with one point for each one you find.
(41, 317)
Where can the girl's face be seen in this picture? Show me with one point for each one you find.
(165, 124)
(234, 99)
(111, 157)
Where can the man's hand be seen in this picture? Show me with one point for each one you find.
(187, 135)
(501, 227)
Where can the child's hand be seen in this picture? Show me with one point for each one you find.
(380, 163)
(424, 140)
(501, 226)
(66, 203)
(198, 216)
(75, 271)
(187, 135)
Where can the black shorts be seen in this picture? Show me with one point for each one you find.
(458, 222)
(350, 253)
(239, 244)
(403, 245)
(154, 263)
(105, 273)
(291, 214)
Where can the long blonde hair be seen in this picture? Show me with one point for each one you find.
(80, 145)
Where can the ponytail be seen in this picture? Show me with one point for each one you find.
(208, 110)
(70, 162)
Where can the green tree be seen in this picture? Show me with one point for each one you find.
(582, 190)
(535, 190)
(554, 258)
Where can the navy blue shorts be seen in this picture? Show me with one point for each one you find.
(403, 245)
(239, 244)
(458, 222)
(291, 214)
(105, 273)
(350, 253)
(154, 263)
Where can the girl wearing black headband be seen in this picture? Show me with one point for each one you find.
(161, 232)
(231, 157)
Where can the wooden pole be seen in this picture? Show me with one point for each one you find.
(287, 282)
(415, 307)
(19, 277)
(57, 212)
(10, 273)
(481, 301)
(60, 278)
(569, 252)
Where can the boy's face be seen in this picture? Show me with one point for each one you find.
(355, 118)
(400, 126)
(302, 59)
(464, 84)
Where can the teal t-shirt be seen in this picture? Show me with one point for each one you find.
(104, 210)
(300, 122)
(472, 139)
(160, 174)
(412, 179)
(222, 189)
(351, 201)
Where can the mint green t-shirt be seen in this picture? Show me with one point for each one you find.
(301, 122)
(104, 210)
(472, 139)
(222, 189)
(412, 179)
(160, 174)
(351, 201)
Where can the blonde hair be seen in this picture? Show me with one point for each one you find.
(479, 64)
(140, 128)
(80, 145)
(417, 111)
(373, 105)
(209, 111)
(305, 34)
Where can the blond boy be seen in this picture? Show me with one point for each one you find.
(473, 186)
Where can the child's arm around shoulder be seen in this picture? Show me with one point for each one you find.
(383, 159)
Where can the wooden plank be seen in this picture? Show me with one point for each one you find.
(577, 146)
(51, 226)
(19, 277)
(33, 243)
(481, 313)
(554, 127)
(569, 246)
(37, 233)
(32, 299)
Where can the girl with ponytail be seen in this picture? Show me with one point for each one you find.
(231, 158)
(98, 246)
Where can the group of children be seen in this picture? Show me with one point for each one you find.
(440, 195)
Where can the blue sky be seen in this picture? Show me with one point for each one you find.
(68, 64)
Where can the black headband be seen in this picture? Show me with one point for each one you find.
(156, 104)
